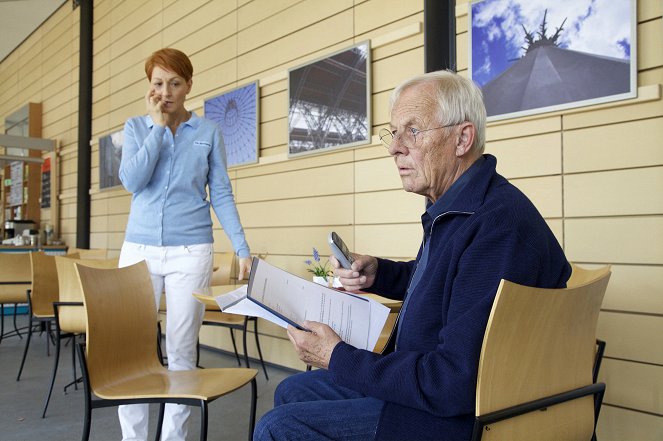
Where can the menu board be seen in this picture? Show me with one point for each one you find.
(15, 196)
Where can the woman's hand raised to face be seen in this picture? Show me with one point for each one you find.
(154, 107)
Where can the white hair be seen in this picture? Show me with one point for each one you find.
(458, 98)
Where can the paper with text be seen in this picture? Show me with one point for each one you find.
(281, 297)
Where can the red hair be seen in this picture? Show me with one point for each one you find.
(172, 60)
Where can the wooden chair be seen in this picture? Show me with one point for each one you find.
(15, 277)
(40, 297)
(121, 365)
(223, 262)
(69, 312)
(580, 276)
(537, 355)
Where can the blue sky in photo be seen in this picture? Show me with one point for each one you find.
(600, 27)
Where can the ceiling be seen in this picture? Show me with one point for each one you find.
(19, 18)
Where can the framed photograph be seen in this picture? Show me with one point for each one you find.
(110, 155)
(534, 56)
(236, 113)
(330, 103)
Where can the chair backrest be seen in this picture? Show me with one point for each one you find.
(121, 323)
(94, 253)
(223, 262)
(581, 276)
(44, 284)
(14, 267)
(72, 318)
(540, 342)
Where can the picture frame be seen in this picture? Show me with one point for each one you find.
(535, 56)
(236, 112)
(330, 102)
(110, 155)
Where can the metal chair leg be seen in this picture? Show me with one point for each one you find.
(232, 337)
(255, 331)
(25, 351)
(162, 411)
(88, 393)
(254, 402)
(203, 420)
(55, 369)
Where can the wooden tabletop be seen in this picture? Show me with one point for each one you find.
(207, 296)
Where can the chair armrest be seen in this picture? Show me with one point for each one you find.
(499, 415)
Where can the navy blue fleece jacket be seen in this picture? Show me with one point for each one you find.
(490, 231)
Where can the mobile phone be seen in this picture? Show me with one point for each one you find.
(340, 250)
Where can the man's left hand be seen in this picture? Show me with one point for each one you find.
(314, 348)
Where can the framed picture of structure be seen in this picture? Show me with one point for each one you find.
(329, 102)
(110, 155)
(533, 56)
(236, 113)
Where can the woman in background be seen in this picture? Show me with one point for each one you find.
(170, 158)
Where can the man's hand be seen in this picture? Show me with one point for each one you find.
(314, 348)
(360, 276)
(244, 267)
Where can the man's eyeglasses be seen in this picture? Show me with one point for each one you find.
(410, 136)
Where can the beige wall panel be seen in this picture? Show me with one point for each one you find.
(611, 146)
(274, 106)
(250, 12)
(411, 26)
(523, 127)
(273, 133)
(389, 72)
(378, 174)
(336, 30)
(615, 240)
(621, 192)
(110, 206)
(119, 116)
(296, 241)
(545, 193)
(648, 10)
(376, 150)
(273, 86)
(651, 77)
(128, 95)
(536, 155)
(115, 223)
(300, 183)
(650, 35)
(633, 385)
(133, 58)
(326, 210)
(210, 56)
(399, 241)
(614, 114)
(374, 15)
(296, 17)
(211, 14)
(633, 337)
(191, 13)
(462, 45)
(394, 206)
(339, 156)
(212, 79)
(617, 424)
(635, 288)
(380, 110)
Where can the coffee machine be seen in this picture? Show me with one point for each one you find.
(15, 228)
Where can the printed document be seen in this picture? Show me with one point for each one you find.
(283, 298)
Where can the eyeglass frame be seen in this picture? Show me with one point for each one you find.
(384, 131)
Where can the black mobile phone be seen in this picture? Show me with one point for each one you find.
(340, 250)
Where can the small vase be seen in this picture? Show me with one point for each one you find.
(324, 281)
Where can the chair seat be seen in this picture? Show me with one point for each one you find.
(217, 316)
(199, 384)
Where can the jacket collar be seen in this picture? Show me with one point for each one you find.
(194, 121)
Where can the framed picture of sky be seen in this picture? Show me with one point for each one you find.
(329, 102)
(533, 56)
(110, 155)
(236, 113)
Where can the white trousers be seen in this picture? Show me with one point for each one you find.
(177, 271)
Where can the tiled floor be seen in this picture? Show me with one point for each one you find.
(21, 402)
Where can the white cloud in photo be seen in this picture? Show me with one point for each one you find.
(594, 26)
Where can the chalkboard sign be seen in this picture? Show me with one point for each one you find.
(46, 183)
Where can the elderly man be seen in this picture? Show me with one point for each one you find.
(478, 229)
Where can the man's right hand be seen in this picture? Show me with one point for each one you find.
(360, 276)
